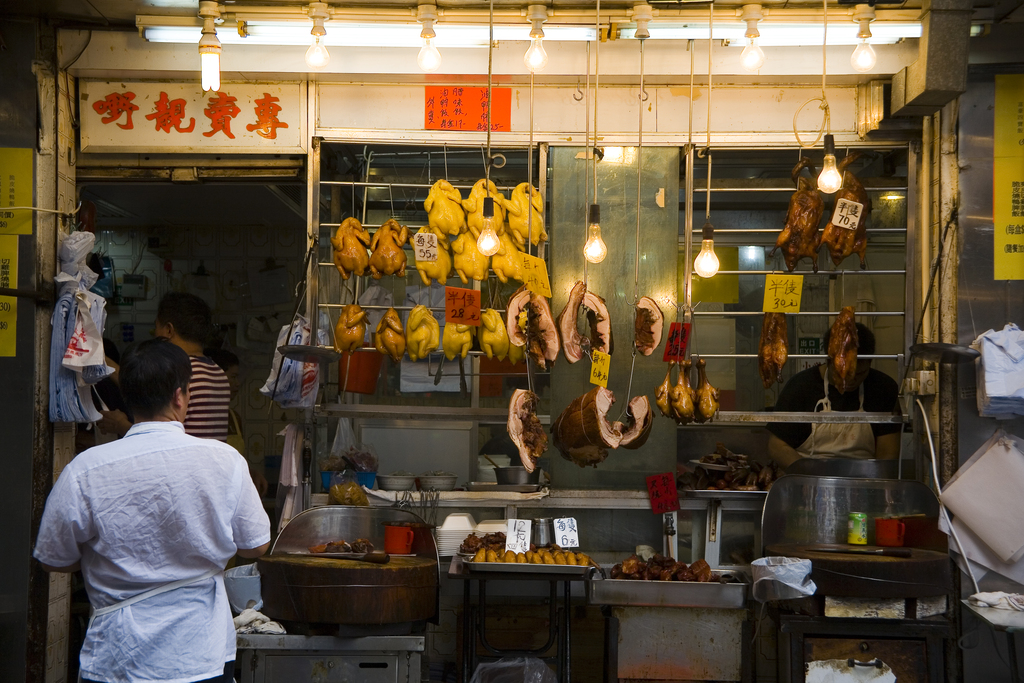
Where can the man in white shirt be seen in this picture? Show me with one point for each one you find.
(152, 520)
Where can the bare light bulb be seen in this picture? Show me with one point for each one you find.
(317, 55)
(863, 57)
(752, 57)
(595, 250)
(536, 58)
(830, 180)
(706, 263)
(429, 58)
(488, 243)
(209, 61)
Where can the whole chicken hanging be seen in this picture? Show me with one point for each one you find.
(773, 351)
(683, 398)
(799, 237)
(445, 215)
(519, 208)
(388, 257)
(842, 349)
(350, 330)
(853, 239)
(661, 394)
(507, 264)
(474, 206)
(707, 395)
(422, 333)
(350, 242)
(457, 340)
(469, 262)
(516, 354)
(493, 334)
(389, 339)
(438, 270)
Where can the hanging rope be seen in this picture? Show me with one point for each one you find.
(586, 174)
(642, 97)
(826, 119)
(529, 178)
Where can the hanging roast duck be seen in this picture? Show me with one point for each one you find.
(852, 239)
(662, 394)
(682, 398)
(842, 349)
(772, 352)
(799, 237)
(707, 395)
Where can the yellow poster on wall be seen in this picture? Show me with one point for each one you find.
(16, 182)
(1008, 178)
(8, 304)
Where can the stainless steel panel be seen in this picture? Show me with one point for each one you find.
(332, 669)
(667, 594)
(531, 569)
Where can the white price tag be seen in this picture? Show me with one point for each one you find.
(567, 533)
(517, 535)
(425, 246)
(848, 214)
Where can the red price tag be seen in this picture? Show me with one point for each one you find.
(461, 306)
(675, 345)
(661, 489)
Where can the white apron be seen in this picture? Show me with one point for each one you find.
(838, 440)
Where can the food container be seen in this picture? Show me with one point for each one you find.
(438, 483)
(542, 532)
(516, 475)
(485, 470)
(396, 482)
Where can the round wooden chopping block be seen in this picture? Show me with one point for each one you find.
(336, 591)
(925, 573)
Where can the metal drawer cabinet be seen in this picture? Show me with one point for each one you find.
(325, 659)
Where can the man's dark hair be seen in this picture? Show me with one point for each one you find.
(223, 358)
(150, 374)
(189, 314)
(865, 340)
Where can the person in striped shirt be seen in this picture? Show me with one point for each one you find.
(186, 321)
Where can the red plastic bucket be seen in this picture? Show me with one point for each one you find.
(358, 372)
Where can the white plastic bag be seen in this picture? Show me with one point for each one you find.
(781, 578)
(292, 383)
(86, 345)
(514, 670)
(243, 587)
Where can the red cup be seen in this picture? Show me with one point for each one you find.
(398, 540)
(889, 532)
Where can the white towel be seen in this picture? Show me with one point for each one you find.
(290, 479)
(251, 621)
(998, 600)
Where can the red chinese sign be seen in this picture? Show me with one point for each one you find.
(220, 112)
(462, 306)
(267, 122)
(675, 345)
(661, 489)
(170, 114)
(462, 108)
(113, 105)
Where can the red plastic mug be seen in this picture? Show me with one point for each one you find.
(889, 532)
(398, 540)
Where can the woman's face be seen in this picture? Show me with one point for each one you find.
(234, 379)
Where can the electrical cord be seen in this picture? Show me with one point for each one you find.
(826, 121)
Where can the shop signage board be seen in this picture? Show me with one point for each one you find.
(465, 108)
(1008, 178)
(8, 304)
(16, 183)
(253, 118)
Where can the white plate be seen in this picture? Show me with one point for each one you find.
(458, 521)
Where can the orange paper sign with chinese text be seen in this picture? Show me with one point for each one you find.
(782, 293)
(461, 306)
(661, 489)
(462, 108)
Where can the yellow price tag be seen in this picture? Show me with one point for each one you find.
(599, 369)
(782, 293)
(535, 275)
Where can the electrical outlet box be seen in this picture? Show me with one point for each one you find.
(132, 286)
(927, 383)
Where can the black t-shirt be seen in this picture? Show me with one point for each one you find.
(805, 389)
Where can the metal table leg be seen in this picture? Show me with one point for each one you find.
(567, 643)
(1011, 651)
(468, 641)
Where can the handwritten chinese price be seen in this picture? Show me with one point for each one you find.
(848, 214)
(661, 489)
(675, 346)
(517, 535)
(535, 275)
(461, 305)
(599, 368)
(567, 532)
(424, 245)
(782, 293)
(462, 108)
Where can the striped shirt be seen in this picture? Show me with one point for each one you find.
(209, 395)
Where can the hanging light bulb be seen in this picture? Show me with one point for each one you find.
(429, 59)
(830, 180)
(706, 263)
(536, 58)
(752, 57)
(863, 57)
(209, 46)
(488, 243)
(595, 249)
(317, 55)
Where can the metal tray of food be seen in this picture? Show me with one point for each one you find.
(634, 593)
(519, 568)
(724, 494)
(503, 488)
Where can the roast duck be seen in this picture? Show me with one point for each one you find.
(842, 350)
(445, 215)
(422, 333)
(661, 568)
(525, 429)
(388, 257)
(350, 242)
(772, 352)
(474, 206)
(799, 237)
(389, 339)
(661, 394)
(842, 242)
(520, 207)
(457, 340)
(682, 399)
(598, 318)
(507, 264)
(648, 325)
(469, 262)
(437, 270)
(493, 334)
(530, 324)
(707, 395)
(350, 329)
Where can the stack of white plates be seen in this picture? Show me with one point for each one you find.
(491, 526)
(453, 532)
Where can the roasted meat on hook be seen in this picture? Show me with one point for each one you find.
(388, 257)
(445, 215)
(842, 349)
(350, 329)
(525, 429)
(648, 325)
(390, 336)
(682, 397)
(582, 432)
(598, 319)
(350, 242)
(530, 324)
(707, 395)
(773, 351)
(799, 237)
(637, 429)
(853, 239)
(662, 394)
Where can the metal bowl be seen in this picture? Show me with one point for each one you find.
(516, 475)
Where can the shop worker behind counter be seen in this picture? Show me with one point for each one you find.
(872, 391)
(152, 519)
